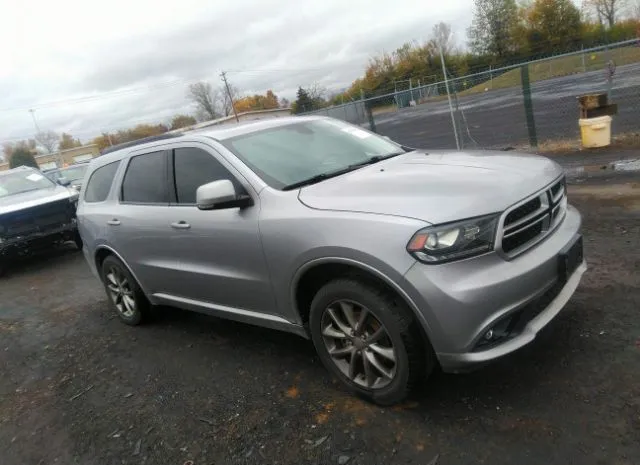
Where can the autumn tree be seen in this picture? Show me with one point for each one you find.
(493, 26)
(182, 121)
(553, 25)
(205, 99)
(22, 156)
(268, 101)
(48, 140)
(67, 141)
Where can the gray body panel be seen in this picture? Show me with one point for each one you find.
(245, 264)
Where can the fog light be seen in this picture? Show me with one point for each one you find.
(488, 335)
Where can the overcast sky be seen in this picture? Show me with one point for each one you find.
(87, 67)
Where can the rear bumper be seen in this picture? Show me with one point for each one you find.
(460, 301)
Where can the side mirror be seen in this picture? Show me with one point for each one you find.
(64, 182)
(218, 195)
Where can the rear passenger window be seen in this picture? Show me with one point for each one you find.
(100, 182)
(195, 167)
(146, 179)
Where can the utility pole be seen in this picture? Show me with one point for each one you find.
(35, 123)
(446, 85)
(223, 75)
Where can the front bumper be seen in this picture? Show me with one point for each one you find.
(461, 301)
(15, 245)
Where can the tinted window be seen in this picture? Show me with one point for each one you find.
(193, 168)
(100, 183)
(146, 179)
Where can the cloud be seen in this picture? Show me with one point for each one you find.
(129, 62)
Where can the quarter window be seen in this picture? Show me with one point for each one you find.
(146, 179)
(100, 182)
(194, 167)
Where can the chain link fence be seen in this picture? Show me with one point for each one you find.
(496, 109)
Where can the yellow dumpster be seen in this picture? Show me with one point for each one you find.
(595, 132)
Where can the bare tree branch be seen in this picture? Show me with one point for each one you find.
(443, 37)
(205, 98)
(48, 140)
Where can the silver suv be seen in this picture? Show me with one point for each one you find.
(392, 260)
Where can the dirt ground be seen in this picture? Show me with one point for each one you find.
(79, 387)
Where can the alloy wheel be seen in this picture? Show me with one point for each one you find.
(359, 344)
(121, 292)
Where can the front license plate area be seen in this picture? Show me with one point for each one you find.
(570, 258)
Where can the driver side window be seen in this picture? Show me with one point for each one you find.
(194, 167)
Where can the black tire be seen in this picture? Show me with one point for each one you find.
(140, 312)
(413, 361)
(77, 240)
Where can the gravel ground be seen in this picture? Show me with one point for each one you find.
(80, 387)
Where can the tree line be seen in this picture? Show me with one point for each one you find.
(502, 33)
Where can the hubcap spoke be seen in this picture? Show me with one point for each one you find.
(341, 352)
(347, 310)
(330, 331)
(375, 337)
(129, 302)
(385, 352)
(338, 322)
(359, 327)
(113, 288)
(352, 364)
(369, 376)
(377, 365)
(112, 279)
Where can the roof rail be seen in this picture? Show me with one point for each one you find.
(133, 143)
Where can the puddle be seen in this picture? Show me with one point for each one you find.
(623, 165)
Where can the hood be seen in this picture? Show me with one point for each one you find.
(436, 188)
(17, 202)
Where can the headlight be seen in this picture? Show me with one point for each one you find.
(454, 241)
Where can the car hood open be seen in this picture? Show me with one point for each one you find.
(436, 188)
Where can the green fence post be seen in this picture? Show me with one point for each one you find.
(372, 123)
(528, 106)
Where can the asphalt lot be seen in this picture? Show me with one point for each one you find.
(496, 119)
(78, 386)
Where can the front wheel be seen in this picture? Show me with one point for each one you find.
(124, 292)
(368, 339)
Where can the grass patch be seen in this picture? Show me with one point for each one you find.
(627, 140)
(557, 67)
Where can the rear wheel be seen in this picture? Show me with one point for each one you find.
(124, 292)
(368, 339)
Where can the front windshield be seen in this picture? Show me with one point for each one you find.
(286, 155)
(22, 181)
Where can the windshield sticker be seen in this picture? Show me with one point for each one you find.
(359, 133)
(34, 177)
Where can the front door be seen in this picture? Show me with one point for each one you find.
(219, 252)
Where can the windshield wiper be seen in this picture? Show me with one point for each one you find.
(375, 159)
(318, 178)
(355, 166)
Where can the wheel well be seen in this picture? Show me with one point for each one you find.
(101, 254)
(313, 279)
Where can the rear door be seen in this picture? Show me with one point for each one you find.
(139, 227)
(219, 252)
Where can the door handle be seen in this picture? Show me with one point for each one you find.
(113, 222)
(180, 225)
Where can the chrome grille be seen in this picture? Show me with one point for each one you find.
(527, 223)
